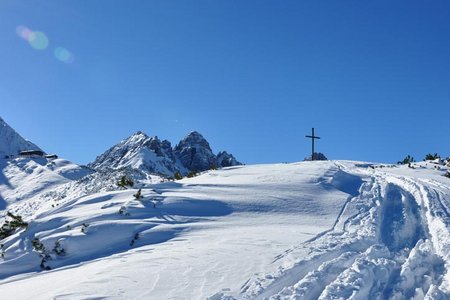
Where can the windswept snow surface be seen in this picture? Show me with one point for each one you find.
(23, 181)
(310, 230)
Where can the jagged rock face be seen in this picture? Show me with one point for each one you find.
(152, 155)
(11, 143)
(224, 159)
(195, 153)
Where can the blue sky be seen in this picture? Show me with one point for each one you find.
(252, 76)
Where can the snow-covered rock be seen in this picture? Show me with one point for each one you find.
(317, 156)
(224, 159)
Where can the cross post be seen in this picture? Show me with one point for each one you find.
(312, 137)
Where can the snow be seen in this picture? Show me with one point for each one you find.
(310, 230)
(24, 181)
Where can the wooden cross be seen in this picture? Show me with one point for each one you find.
(312, 137)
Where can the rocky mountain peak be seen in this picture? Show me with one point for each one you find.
(11, 143)
(150, 154)
(194, 139)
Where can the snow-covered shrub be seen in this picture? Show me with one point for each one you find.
(138, 195)
(59, 249)
(123, 211)
(125, 182)
(11, 225)
(135, 238)
(84, 227)
(447, 174)
(38, 246)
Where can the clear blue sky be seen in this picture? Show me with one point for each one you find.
(252, 76)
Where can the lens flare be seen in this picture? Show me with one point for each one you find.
(37, 39)
(24, 32)
(64, 55)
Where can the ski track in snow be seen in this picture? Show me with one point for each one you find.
(389, 249)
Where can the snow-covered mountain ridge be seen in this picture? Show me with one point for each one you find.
(150, 154)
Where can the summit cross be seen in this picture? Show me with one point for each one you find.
(312, 137)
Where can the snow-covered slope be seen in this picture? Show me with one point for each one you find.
(151, 155)
(11, 143)
(328, 230)
(24, 181)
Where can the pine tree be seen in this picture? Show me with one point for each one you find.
(177, 175)
(192, 173)
(430, 156)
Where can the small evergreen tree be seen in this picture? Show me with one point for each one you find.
(407, 160)
(192, 173)
(430, 156)
(177, 175)
(447, 174)
(138, 195)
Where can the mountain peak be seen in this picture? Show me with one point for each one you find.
(194, 137)
(137, 135)
(11, 143)
(194, 134)
(150, 154)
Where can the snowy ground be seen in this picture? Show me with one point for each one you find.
(308, 230)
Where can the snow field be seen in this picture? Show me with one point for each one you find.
(313, 230)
